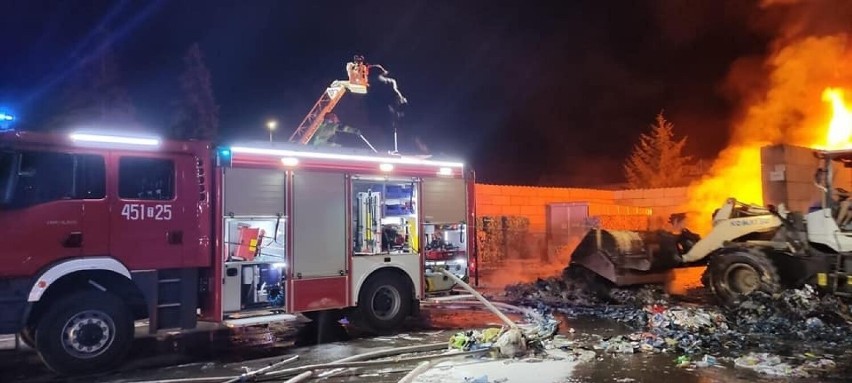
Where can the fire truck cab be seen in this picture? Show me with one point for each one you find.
(100, 231)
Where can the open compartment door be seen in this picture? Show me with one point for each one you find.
(445, 238)
(444, 200)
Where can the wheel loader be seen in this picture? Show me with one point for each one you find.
(750, 248)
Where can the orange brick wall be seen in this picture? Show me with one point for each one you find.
(531, 202)
(663, 202)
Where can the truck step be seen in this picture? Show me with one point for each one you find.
(263, 319)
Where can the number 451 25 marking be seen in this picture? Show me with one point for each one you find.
(141, 212)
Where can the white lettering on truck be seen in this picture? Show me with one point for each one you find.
(141, 212)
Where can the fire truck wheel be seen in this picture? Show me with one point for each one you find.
(85, 332)
(384, 302)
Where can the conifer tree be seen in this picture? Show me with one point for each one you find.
(657, 160)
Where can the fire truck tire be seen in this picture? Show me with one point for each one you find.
(84, 332)
(733, 276)
(384, 302)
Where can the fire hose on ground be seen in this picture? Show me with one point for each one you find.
(304, 373)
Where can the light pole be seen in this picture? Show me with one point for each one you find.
(271, 124)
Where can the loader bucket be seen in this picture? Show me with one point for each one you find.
(627, 257)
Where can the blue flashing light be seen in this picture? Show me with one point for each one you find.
(6, 121)
(224, 157)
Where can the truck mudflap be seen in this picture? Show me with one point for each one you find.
(13, 304)
(628, 257)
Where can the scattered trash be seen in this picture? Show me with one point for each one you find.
(764, 363)
(511, 343)
(795, 319)
(616, 345)
(474, 339)
(707, 361)
(684, 361)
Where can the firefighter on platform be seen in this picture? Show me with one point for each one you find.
(357, 71)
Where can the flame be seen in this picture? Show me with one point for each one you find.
(729, 178)
(737, 171)
(840, 127)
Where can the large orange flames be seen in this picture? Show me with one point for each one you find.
(801, 103)
(840, 127)
(737, 172)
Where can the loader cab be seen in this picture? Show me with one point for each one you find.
(825, 178)
(830, 222)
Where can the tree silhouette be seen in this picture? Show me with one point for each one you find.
(196, 115)
(95, 94)
(657, 160)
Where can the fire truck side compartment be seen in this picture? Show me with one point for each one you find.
(444, 200)
(320, 275)
(255, 228)
(254, 192)
(445, 239)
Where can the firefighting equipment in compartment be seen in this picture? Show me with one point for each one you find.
(413, 237)
(248, 242)
(250, 285)
(368, 235)
(437, 282)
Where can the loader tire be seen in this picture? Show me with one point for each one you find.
(733, 276)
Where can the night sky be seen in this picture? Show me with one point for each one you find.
(521, 90)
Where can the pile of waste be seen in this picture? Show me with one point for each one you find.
(530, 335)
(796, 322)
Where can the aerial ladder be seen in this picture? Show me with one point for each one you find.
(358, 82)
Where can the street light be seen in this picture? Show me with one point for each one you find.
(271, 124)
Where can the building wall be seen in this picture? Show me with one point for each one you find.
(531, 202)
(662, 202)
(511, 224)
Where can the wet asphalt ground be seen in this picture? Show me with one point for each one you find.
(211, 354)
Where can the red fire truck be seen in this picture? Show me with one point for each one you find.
(100, 231)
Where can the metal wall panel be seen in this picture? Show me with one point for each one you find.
(565, 221)
(319, 224)
(254, 192)
(444, 200)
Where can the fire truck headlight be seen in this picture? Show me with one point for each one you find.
(445, 171)
(385, 167)
(290, 161)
